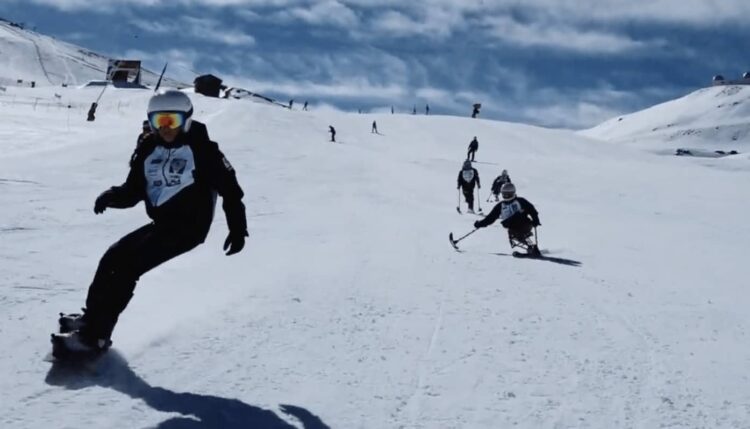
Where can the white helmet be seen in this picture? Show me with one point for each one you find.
(508, 191)
(171, 100)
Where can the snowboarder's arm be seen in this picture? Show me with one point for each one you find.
(224, 179)
(491, 217)
(129, 193)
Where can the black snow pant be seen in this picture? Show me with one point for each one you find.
(469, 196)
(121, 267)
(470, 154)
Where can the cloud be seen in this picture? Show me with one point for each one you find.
(431, 23)
(429, 13)
(206, 29)
(182, 62)
(554, 35)
(327, 12)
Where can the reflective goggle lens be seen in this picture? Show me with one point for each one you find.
(171, 120)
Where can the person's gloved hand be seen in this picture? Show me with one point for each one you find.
(103, 201)
(234, 242)
(536, 222)
(477, 225)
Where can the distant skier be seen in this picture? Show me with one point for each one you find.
(374, 127)
(517, 215)
(473, 146)
(475, 111)
(304, 107)
(468, 177)
(502, 179)
(333, 133)
(291, 103)
(426, 109)
(91, 116)
(414, 111)
(177, 172)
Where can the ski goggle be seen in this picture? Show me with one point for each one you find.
(171, 120)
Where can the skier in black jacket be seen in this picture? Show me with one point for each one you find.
(473, 146)
(517, 215)
(177, 171)
(500, 180)
(467, 178)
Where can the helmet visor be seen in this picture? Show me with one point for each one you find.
(171, 120)
(508, 195)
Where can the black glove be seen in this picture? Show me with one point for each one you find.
(536, 222)
(235, 242)
(477, 225)
(103, 201)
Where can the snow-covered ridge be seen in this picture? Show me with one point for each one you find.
(714, 118)
(30, 56)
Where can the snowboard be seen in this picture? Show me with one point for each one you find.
(60, 353)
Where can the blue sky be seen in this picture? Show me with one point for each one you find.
(567, 63)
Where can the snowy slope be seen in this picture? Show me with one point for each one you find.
(710, 119)
(32, 56)
(348, 308)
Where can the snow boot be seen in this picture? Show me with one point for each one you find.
(75, 344)
(72, 321)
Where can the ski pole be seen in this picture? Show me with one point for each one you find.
(466, 235)
(479, 197)
(455, 242)
(458, 203)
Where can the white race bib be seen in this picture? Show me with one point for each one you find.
(168, 171)
(508, 210)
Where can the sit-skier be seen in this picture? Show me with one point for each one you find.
(517, 215)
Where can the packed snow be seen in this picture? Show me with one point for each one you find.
(709, 122)
(28, 56)
(348, 308)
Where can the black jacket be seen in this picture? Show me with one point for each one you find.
(473, 145)
(499, 182)
(141, 137)
(469, 184)
(179, 181)
(511, 213)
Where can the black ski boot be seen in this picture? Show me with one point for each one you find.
(74, 345)
(72, 321)
(534, 251)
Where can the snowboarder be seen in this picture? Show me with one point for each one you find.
(502, 179)
(467, 178)
(473, 146)
(177, 172)
(517, 215)
(145, 132)
(333, 133)
(374, 127)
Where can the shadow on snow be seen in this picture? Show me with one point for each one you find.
(198, 411)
